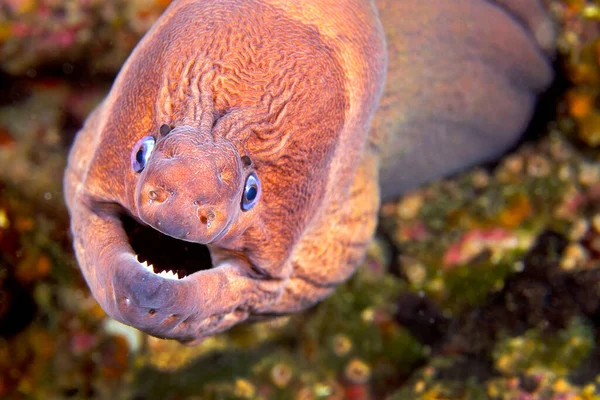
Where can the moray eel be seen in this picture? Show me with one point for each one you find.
(236, 167)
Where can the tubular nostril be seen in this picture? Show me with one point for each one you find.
(210, 216)
(206, 217)
(158, 195)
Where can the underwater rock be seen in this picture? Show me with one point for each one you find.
(68, 35)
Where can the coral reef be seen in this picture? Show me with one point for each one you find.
(484, 285)
(70, 34)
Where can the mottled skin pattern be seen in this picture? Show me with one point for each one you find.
(288, 91)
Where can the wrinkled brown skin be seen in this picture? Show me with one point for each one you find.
(294, 86)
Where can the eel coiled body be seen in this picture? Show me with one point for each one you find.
(242, 148)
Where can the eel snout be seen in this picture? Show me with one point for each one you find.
(190, 187)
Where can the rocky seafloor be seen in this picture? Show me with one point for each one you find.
(484, 285)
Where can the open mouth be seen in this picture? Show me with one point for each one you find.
(164, 255)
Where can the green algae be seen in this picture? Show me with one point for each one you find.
(560, 352)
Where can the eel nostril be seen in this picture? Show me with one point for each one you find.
(206, 217)
(210, 216)
(158, 195)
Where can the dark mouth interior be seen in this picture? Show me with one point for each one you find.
(164, 252)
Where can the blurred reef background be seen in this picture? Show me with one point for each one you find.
(482, 286)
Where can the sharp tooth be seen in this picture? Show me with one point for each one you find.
(147, 266)
(168, 274)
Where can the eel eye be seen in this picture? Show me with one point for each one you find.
(141, 153)
(251, 192)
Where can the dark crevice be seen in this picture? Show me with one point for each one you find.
(17, 307)
(13, 90)
(423, 318)
(384, 227)
(70, 127)
(164, 252)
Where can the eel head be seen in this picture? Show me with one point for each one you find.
(161, 263)
(190, 186)
(211, 168)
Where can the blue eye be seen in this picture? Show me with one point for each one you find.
(251, 192)
(141, 153)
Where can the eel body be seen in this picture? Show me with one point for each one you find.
(234, 170)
